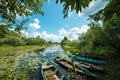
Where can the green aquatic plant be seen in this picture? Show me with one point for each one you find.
(25, 67)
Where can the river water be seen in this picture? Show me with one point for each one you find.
(51, 51)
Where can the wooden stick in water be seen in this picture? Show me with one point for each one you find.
(74, 68)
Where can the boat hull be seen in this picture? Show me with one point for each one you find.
(50, 72)
(89, 60)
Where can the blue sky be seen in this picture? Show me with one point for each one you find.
(53, 27)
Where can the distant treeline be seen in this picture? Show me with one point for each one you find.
(12, 38)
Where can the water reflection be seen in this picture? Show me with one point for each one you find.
(50, 52)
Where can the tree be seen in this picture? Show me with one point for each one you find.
(4, 29)
(92, 38)
(70, 5)
(113, 7)
(9, 9)
(65, 41)
(111, 32)
(19, 25)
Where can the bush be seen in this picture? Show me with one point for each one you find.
(105, 51)
(34, 41)
(13, 41)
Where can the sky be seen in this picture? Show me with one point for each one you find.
(53, 27)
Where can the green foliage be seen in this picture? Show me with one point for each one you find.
(111, 32)
(65, 41)
(19, 25)
(102, 39)
(4, 29)
(112, 8)
(91, 39)
(34, 41)
(11, 8)
(74, 43)
(14, 38)
(70, 5)
(25, 67)
(13, 41)
(105, 51)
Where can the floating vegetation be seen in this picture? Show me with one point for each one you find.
(25, 67)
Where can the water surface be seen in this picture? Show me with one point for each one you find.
(51, 51)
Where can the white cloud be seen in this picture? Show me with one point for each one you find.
(72, 33)
(48, 2)
(84, 28)
(62, 32)
(49, 37)
(79, 14)
(93, 7)
(75, 32)
(34, 26)
(70, 14)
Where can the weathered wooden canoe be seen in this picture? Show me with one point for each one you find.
(93, 56)
(90, 66)
(69, 66)
(50, 72)
(89, 60)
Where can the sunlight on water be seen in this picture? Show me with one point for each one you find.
(51, 52)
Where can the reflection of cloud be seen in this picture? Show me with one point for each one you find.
(49, 52)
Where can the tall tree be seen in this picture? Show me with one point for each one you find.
(65, 41)
(111, 31)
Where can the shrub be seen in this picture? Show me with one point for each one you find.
(105, 51)
(13, 41)
(34, 41)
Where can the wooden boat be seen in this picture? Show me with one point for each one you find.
(84, 54)
(50, 72)
(90, 66)
(89, 60)
(69, 66)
